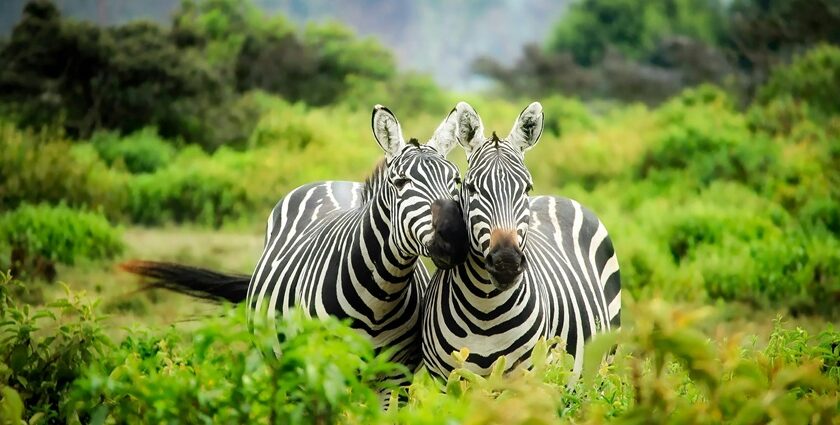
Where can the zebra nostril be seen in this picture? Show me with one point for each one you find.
(490, 260)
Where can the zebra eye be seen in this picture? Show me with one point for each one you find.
(529, 188)
(470, 187)
(400, 182)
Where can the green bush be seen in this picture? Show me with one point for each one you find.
(707, 140)
(44, 351)
(565, 114)
(140, 152)
(791, 269)
(286, 126)
(813, 78)
(43, 167)
(195, 188)
(807, 179)
(665, 371)
(38, 237)
(414, 93)
(327, 373)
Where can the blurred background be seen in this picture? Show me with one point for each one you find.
(704, 133)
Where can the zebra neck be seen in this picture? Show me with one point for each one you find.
(374, 250)
(474, 277)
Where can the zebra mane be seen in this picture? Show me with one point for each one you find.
(374, 180)
(495, 139)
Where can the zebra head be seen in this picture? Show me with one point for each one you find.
(425, 216)
(494, 196)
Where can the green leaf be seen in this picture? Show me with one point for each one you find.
(11, 406)
(594, 352)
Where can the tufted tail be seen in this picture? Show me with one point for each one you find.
(192, 281)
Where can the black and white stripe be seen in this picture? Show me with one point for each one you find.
(538, 267)
(351, 250)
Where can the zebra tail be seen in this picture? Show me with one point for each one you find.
(193, 281)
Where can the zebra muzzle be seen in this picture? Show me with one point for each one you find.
(505, 266)
(449, 244)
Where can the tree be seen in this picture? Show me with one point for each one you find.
(633, 28)
(120, 78)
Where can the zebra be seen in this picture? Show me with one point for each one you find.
(350, 250)
(538, 266)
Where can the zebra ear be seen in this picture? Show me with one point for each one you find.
(387, 131)
(469, 129)
(528, 127)
(445, 136)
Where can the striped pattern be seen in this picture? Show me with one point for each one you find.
(350, 250)
(570, 286)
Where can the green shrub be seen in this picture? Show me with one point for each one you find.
(43, 351)
(565, 114)
(43, 167)
(807, 179)
(327, 373)
(38, 237)
(188, 196)
(665, 371)
(406, 93)
(707, 140)
(813, 78)
(285, 127)
(140, 152)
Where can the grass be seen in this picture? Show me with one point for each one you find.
(127, 306)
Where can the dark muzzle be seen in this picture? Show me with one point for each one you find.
(449, 244)
(505, 266)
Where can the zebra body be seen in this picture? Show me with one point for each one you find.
(538, 267)
(570, 289)
(325, 252)
(350, 250)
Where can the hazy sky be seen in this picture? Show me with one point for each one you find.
(435, 36)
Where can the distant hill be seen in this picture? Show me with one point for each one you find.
(435, 36)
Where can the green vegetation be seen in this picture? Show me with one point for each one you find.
(666, 371)
(35, 238)
(189, 81)
(140, 152)
(724, 210)
(649, 51)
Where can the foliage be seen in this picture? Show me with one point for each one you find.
(326, 372)
(590, 27)
(814, 76)
(41, 166)
(43, 352)
(708, 140)
(140, 152)
(38, 237)
(650, 51)
(765, 34)
(192, 189)
(120, 78)
(257, 52)
(405, 92)
(666, 370)
(189, 81)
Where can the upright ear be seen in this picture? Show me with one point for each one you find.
(387, 131)
(528, 127)
(469, 129)
(445, 136)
